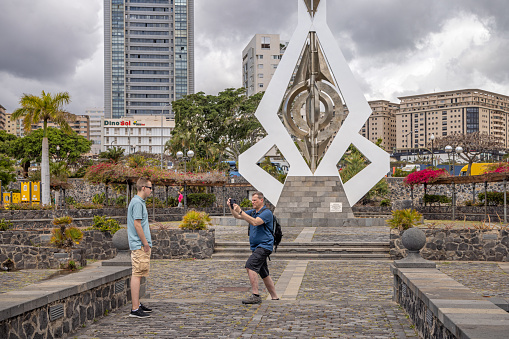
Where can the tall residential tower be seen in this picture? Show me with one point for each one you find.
(148, 55)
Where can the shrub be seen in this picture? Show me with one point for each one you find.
(27, 206)
(171, 202)
(70, 201)
(404, 219)
(385, 203)
(66, 237)
(105, 224)
(62, 221)
(436, 198)
(425, 176)
(121, 201)
(246, 203)
(5, 225)
(200, 199)
(87, 205)
(494, 198)
(98, 198)
(194, 220)
(156, 200)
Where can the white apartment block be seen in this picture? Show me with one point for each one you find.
(382, 124)
(445, 113)
(260, 59)
(137, 134)
(148, 55)
(96, 116)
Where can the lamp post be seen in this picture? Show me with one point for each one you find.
(432, 138)
(162, 133)
(180, 156)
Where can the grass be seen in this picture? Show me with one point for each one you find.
(459, 224)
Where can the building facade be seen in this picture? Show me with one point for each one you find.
(148, 55)
(382, 124)
(96, 116)
(445, 113)
(6, 124)
(260, 59)
(137, 134)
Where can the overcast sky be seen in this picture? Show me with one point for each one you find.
(394, 47)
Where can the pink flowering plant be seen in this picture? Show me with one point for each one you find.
(502, 167)
(110, 173)
(425, 176)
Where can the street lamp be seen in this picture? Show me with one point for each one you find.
(448, 150)
(180, 156)
(162, 132)
(432, 138)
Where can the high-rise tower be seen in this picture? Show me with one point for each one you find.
(148, 55)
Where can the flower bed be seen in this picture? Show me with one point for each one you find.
(425, 176)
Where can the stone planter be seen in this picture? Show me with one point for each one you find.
(461, 245)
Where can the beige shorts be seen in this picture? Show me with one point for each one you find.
(141, 262)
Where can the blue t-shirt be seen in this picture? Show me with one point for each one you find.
(261, 236)
(137, 210)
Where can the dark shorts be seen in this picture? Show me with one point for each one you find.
(258, 262)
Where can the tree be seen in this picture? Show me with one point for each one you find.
(45, 108)
(70, 147)
(225, 122)
(473, 145)
(113, 155)
(7, 171)
(5, 141)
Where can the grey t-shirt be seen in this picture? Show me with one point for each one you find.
(137, 210)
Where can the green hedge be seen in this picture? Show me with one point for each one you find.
(200, 199)
(436, 198)
(494, 198)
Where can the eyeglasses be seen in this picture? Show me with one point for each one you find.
(149, 187)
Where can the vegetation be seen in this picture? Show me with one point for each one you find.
(194, 220)
(215, 127)
(5, 225)
(246, 203)
(112, 155)
(354, 162)
(436, 198)
(7, 171)
(425, 176)
(27, 206)
(200, 199)
(105, 224)
(494, 198)
(45, 108)
(66, 236)
(473, 144)
(385, 203)
(62, 221)
(404, 219)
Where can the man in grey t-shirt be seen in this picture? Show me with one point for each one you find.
(140, 244)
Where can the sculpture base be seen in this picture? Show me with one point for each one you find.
(317, 202)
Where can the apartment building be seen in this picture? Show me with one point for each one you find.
(137, 134)
(260, 59)
(5, 122)
(96, 116)
(445, 113)
(381, 124)
(81, 126)
(148, 55)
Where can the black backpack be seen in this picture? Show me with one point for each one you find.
(277, 232)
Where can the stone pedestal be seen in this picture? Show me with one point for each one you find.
(316, 201)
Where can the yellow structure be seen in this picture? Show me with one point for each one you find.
(476, 169)
(36, 191)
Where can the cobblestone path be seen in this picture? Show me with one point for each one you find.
(10, 281)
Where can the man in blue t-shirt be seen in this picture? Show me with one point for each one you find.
(140, 244)
(261, 241)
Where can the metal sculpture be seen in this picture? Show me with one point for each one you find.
(323, 77)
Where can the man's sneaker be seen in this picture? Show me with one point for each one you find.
(145, 308)
(139, 314)
(253, 299)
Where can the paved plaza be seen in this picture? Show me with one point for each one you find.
(319, 298)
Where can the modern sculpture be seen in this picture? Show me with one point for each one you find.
(313, 194)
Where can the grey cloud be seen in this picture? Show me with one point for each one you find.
(45, 40)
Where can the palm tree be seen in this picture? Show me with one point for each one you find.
(45, 108)
(113, 155)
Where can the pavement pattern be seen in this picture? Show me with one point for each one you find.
(319, 299)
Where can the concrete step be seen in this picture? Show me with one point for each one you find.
(308, 250)
(308, 244)
(307, 256)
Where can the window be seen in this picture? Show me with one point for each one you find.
(260, 75)
(265, 42)
(260, 85)
(260, 66)
(149, 131)
(259, 56)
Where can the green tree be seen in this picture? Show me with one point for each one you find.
(6, 140)
(215, 127)
(45, 108)
(7, 170)
(70, 147)
(113, 155)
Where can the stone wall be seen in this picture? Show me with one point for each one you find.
(29, 249)
(398, 191)
(80, 298)
(30, 257)
(462, 245)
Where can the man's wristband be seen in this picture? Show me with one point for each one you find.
(240, 213)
